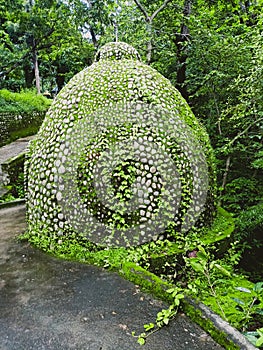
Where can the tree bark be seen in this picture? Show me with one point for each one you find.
(226, 172)
(149, 44)
(180, 40)
(36, 70)
(93, 36)
(28, 73)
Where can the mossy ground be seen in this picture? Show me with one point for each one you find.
(77, 247)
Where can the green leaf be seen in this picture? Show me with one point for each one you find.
(202, 257)
(242, 289)
(141, 341)
(202, 253)
(251, 338)
(240, 302)
(196, 265)
(159, 315)
(177, 299)
(222, 269)
(259, 342)
(259, 311)
(166, 321)
(258, 287)
(170, 290)
(149, 326)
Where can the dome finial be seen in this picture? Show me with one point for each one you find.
(117, 51)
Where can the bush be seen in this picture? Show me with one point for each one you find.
(23, 102)
(241, 193)
(21, 114)
(249, 228)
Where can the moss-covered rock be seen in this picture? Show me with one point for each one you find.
(120, 157)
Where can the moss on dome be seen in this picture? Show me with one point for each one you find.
(117, 102)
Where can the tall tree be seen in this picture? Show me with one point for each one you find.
(149, 20)
(40, 33)
(181, 40)
(223, 74)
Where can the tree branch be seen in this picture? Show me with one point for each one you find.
(159, 9)
(147, 17)
(243, 132)
(15, 65)
(226, 172)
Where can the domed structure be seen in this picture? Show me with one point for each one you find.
(120, 158)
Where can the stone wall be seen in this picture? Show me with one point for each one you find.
(13, 125)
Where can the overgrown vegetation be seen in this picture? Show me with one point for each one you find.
(21, 114)
(25, 102)
(212, 52)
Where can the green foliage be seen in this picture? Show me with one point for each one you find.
(223, 62)
(21, 114)
(252, 306)
(15, 188)
(163, 317)
(258, 162)
(248, 233)
(48, 32)
(224, 74)
(232, 296)
(74, 247)
(8, 197)
(242, 193)
(197, 316)
(18, 186)
(249, 221)
(23, 102)
(256, 337)
(222, 49)
(212, 280)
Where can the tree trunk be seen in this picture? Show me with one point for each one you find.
(60, 75)
(149, 44)
(36, 69)
(29, 74)
(180, 40)
(226, 172)
(93, 36)
(149, 19)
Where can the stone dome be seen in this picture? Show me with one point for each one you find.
(117, 51)
(120, 158)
